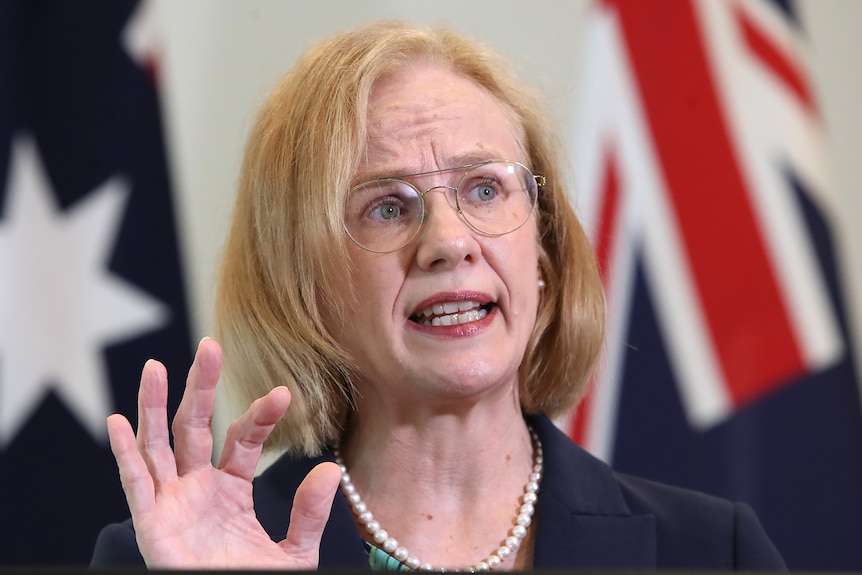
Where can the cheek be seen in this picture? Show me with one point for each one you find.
(522, 261)
(376, 281)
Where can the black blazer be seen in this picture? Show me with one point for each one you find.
(587, 516)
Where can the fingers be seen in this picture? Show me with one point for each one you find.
(134, 475)
(192, 427)
(153, 440)
(311, 506)
(246, 435)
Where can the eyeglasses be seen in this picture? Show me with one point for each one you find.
(494, 198)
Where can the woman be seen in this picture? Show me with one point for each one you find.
(403, 258)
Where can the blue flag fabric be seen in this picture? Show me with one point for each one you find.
(729, 366)
(90, 277)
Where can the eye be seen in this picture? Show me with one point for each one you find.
(482, 192)
(382, 202)
(385, 209)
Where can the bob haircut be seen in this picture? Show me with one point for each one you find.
(285, 263)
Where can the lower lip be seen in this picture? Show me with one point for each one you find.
(460, 330)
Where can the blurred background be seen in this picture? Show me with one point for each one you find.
(714, 146)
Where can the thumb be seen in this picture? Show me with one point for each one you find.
(311, 506)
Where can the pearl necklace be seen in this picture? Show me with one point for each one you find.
(513, 540)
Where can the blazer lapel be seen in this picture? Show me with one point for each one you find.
(582, 520)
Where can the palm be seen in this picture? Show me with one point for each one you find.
(189, 514)
(207, 505)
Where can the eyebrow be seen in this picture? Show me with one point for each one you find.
(454, 162)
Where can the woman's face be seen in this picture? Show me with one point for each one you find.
(427, 118)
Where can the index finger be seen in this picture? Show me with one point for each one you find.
(245, 436)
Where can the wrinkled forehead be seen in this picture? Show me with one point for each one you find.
(429, 117)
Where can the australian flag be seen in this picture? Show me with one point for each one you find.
(90, 278)
(729, 367)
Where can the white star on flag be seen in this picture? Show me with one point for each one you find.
(59, 304)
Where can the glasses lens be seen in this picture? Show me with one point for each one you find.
(498, 197)
(383, 215)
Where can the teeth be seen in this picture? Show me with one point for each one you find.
(457, 318)
(449, 307)
(452, 313)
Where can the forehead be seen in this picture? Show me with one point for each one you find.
(427, 117)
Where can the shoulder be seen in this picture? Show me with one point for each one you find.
(669, 503)
(646, 521)
(116, 546)
(691, 525)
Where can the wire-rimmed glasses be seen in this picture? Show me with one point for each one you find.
(494, 198)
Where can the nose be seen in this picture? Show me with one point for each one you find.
(445, 240)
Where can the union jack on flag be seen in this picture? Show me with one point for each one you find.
(700, 175)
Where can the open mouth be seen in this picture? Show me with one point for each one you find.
(452, 313)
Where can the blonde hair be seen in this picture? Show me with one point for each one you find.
(285, 261)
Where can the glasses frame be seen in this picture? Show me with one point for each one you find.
(539, 179)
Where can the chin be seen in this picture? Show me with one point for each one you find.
(469, 379)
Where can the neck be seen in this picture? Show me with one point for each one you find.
(448, 490)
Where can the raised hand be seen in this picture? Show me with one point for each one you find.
(188, 514)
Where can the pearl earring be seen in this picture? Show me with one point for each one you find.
(541, 283)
